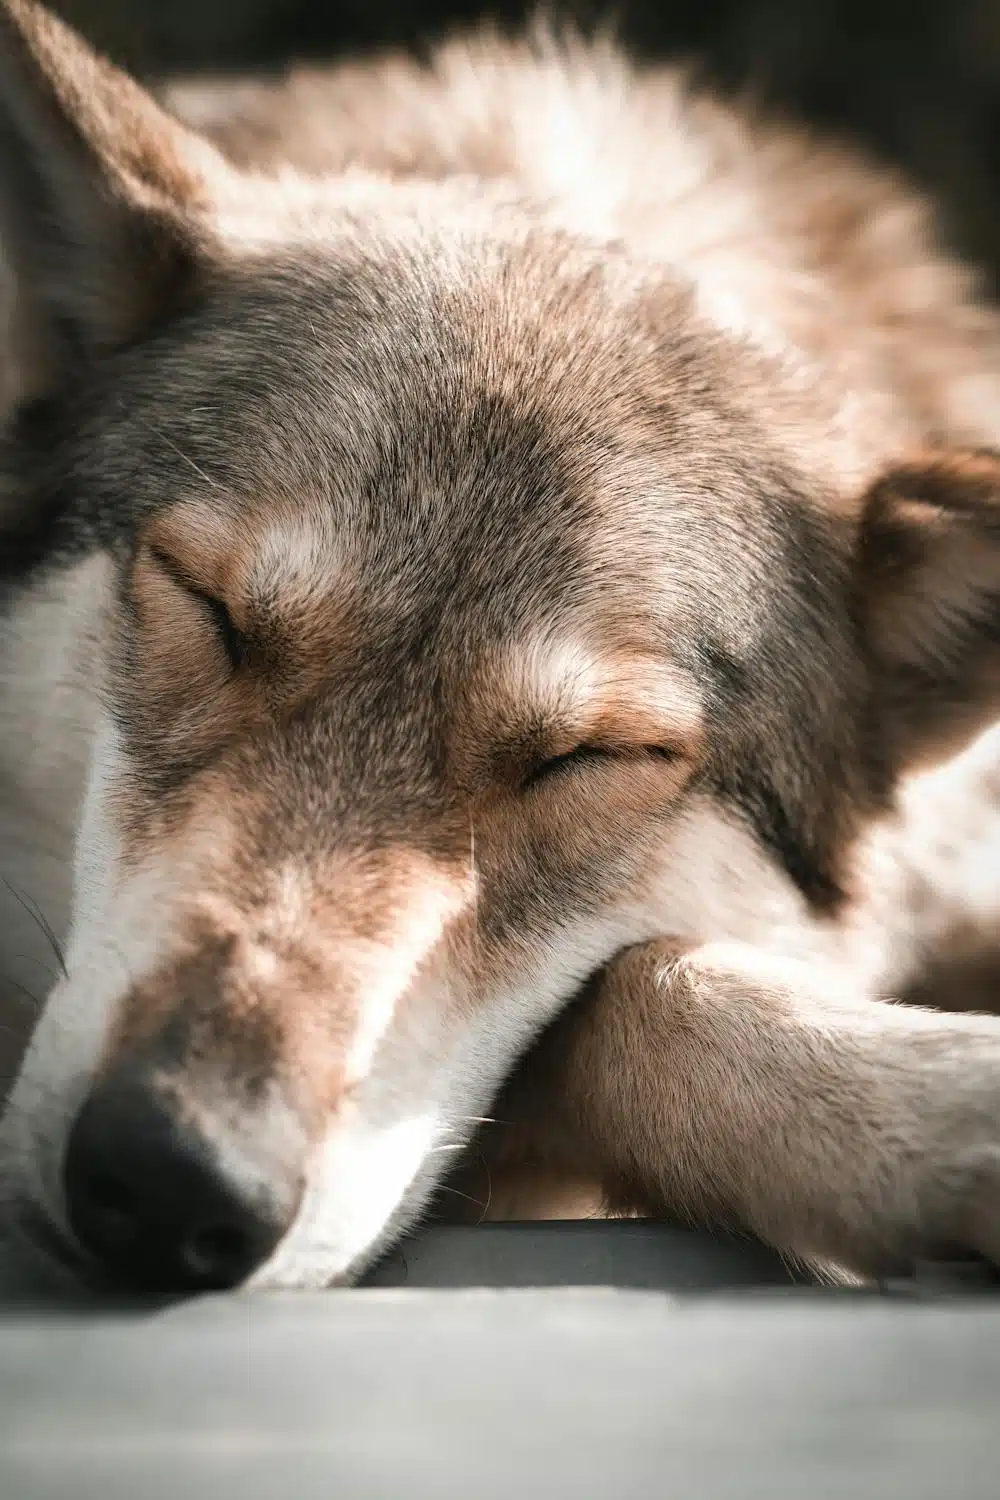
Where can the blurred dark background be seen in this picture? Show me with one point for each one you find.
(916, 80)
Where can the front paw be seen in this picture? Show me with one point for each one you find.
(962, 1203)
(934, 1184)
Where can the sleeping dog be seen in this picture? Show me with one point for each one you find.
(498, 590)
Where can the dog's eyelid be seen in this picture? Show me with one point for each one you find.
(587, 753)
(552, 765)
(234, 641)
(180, 573)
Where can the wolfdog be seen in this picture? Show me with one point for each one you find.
(499, 573)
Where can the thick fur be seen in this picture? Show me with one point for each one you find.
(467, 531)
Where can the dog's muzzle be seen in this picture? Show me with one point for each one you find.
(168, 1195)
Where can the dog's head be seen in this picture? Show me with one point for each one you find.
(466, 615)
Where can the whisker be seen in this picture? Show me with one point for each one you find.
(476, 1203)
(489, 1188)
(38, 917)
(24, 994)
(169, 443)
(46, 927)
(28, 958)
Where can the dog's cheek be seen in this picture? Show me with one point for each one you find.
(579, 852)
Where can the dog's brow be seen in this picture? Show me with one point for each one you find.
(199, 539)
(640, 698)
(557, 677)
(281, 553)
(295, 560)
(625, 695)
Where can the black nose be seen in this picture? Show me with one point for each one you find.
(165, 1206)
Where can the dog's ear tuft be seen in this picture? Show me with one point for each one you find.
(930, 602)
(100, 199)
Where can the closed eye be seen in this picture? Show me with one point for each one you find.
(585, 757)
(230, 637)
(234, 642)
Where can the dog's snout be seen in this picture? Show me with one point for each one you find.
(164, 1205)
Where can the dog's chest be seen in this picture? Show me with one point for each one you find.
(930, 878)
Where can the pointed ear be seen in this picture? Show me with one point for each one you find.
(101, 194)
(930, 602)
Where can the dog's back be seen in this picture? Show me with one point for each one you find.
(826, 259)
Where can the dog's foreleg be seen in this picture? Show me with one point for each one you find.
(738, 1089)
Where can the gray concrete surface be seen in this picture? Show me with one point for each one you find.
(383, 1395)
(477, 1391)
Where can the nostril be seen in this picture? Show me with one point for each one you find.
(215, 1255)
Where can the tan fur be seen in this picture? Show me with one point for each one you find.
(623, 1089)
